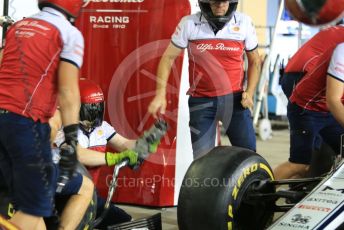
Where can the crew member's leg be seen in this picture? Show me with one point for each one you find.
(304, 130)
(82, 188)
(240, 129)
(202, 124)
(32, 173)
(331, 134)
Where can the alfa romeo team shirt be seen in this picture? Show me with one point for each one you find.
(310, 92)
(97, 140)
(216, 62)
(336, 68)
(28, 72)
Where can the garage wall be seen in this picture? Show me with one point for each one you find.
(22, 8)
(257, 10)
(19, 9)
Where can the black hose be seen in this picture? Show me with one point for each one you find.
(101, 218)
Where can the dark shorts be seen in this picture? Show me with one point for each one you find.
(73, 185)
(26, 163)
(307, 129)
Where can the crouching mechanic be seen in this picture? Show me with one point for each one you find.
(94, 136)
(79, 187)
(314, 82)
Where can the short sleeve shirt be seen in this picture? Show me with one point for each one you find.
(336, 68)
(96, 140)
(28, 72)
(216, 65)
(310, 92)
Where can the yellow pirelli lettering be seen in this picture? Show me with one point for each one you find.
(247, 172)
(229, 225)
(235, 192)
(10, 211)
(267, 169)
(230, 211)
(254, 168)
(240, 180)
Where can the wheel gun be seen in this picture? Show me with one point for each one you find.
(149, 137)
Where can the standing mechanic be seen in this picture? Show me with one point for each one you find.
(41, 62)
(314, 78)
(216, 39)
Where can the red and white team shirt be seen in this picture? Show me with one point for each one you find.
(28, 72)
(310, 92)
(96, 140)
(216, 63)
(336, 68)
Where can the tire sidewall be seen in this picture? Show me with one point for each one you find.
(253, 169)
(201, 207)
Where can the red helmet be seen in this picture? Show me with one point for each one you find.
(315, 12)
(90, 92)
(92, 105)
(69, 7)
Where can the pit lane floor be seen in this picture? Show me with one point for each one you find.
(275, 151)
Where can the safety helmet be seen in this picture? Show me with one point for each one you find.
(92, 105)
(70, 7)
(316, 12)
(217, 22)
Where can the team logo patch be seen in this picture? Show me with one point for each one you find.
(100, 132)
(236, 28)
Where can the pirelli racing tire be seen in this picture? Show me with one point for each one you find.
(215, 189)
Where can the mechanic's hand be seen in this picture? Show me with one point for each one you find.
(6, 21)
(158, 105)
(247, 100)
(115, 158)
(68, 160)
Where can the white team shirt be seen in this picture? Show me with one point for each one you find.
(216, 65)
(73, 41)
(336, 67)
(97, 140)
(196, 27)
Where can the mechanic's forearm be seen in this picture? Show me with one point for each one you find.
(90, 157)
(125, 144)
(68, 93)
(69, 102)
(253, 73)
(163, 73)
(55, 124)
(337, 110)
